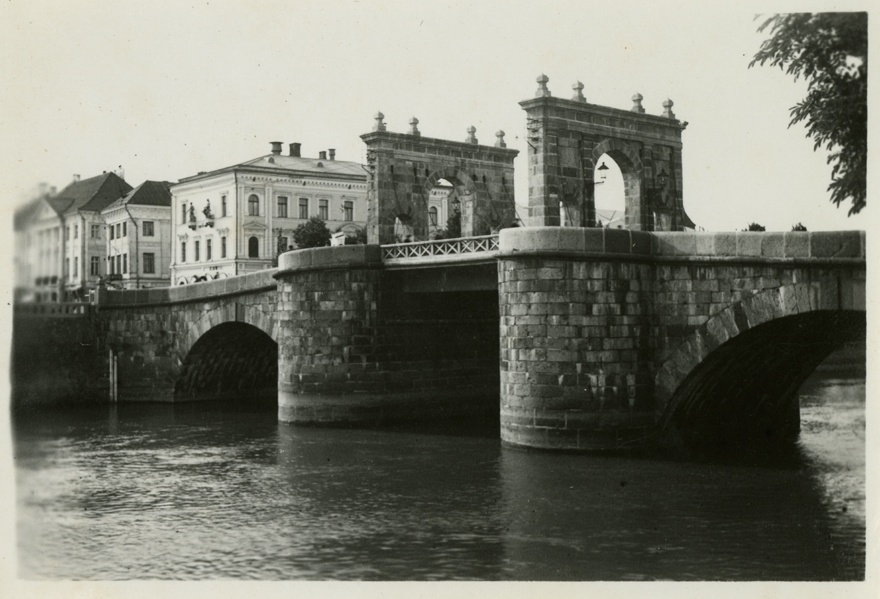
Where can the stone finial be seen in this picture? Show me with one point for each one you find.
(499, 139)
(578, 95)
(667, 109)
(414, 127)
(542, 92)
(637, 103)
(471, 138)
(380, 124)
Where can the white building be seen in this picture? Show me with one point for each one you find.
(234, 220)
(138, 239)
(62, 240)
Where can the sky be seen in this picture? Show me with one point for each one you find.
(166, 89)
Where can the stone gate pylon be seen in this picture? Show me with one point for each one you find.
(566, 139)
(403, 168)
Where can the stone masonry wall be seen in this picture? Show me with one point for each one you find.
(599, 327)
(352, 351)
(152, 330)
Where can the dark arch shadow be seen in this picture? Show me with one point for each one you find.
(231, 361)
(743, 397)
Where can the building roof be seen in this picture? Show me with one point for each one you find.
(94, 193)
(291, 165)
(148, 193)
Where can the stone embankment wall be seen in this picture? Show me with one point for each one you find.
(57, 358)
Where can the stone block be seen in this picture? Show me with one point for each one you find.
(772, 245)
(836, 244)
(640, 242)
(796, 244)
(618, 241)
(748, 243)
(725, 244)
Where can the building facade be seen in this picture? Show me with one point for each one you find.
(138, 238)
(237, 219)
(60, 236)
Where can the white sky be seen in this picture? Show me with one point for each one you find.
(170, 88)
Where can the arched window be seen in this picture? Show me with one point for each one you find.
(432, 216)
(253, 205)
(253, 248)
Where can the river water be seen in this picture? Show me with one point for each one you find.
(225, 492)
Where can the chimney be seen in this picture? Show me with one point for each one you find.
(276, 147)
(75, 178)
(294, 150)
(322, 155)
(332, 152)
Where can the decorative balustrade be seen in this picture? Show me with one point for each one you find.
(442, 250)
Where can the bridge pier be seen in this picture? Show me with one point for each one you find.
(575, 361)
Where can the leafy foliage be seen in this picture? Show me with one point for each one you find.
(453, 225)
(830, 51)
(359, 237)
(798, 227)
(312, 234)
(755, 227)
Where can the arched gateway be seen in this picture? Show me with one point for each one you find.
(566, 140)
(404, 168)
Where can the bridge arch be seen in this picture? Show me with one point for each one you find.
(733, 382)
(250, 314)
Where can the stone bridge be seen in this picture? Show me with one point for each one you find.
(575, 338)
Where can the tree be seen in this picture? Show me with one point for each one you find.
(453, 225)
(312, 234)
(798, 227)
(830, 51)
(755, 227)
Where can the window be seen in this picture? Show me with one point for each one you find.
(66, 267)
(96, 231)
(282, 207)
(118, 231)
(223, 205)
(148, 228)
(183, 212)
(95, 266)
(119, 264)
(149, 263)
(304, 208)
(110, 269)
(112, 232)
(125, 264)
(432, 216)
(124, 232)
(348, 209)
(208, 249)
(253, 248)
(323, 208)
(183, 251)
(222, 247)
(196, 256)
(76, 231)
(253, 205)
(76, 267)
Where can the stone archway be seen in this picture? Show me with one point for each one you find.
(627, 158)
(403, 168)
(567, 136)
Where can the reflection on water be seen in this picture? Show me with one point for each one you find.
(200, 492)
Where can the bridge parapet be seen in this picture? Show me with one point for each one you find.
(750, 246)
(242, 284)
